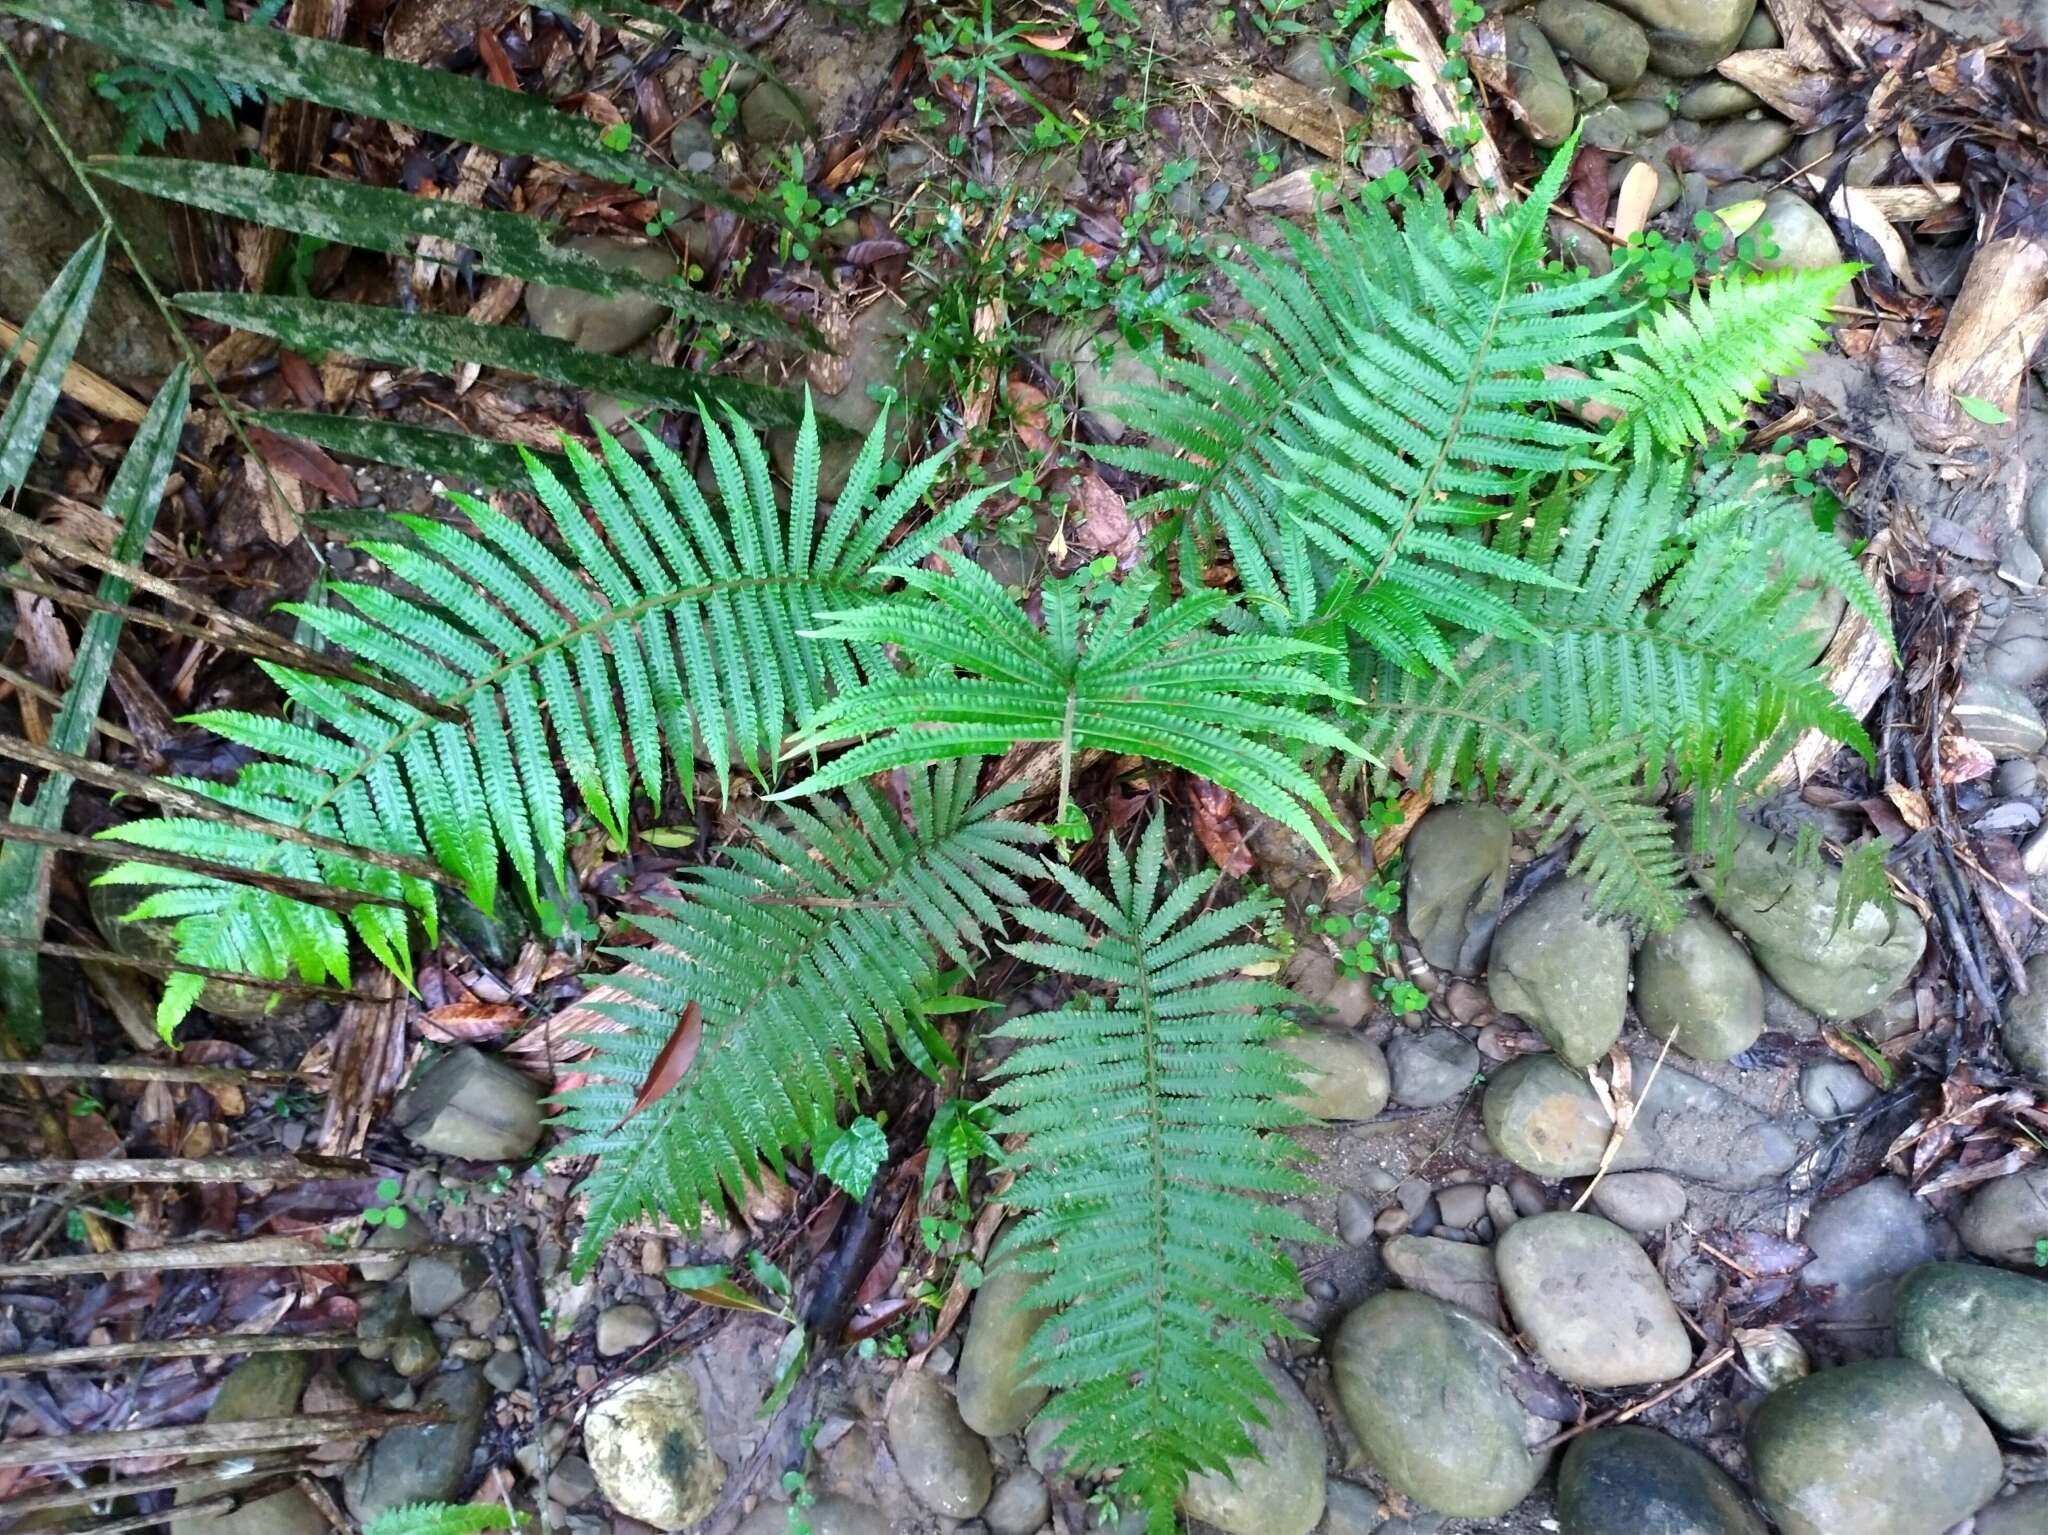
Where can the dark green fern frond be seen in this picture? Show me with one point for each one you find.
(1136, 675)
(159, 100)
(660, 631)
(1147, 1177)
(1390, 393)
(445, 1519)
(1454, 731)
(807, 950)
(1695, 366)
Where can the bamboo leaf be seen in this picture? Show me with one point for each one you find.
(355, 80)
(24, 866)
(389, 219)
(438, 342)
(452, 456)
(52, 329)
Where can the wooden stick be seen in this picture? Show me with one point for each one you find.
(214, 1345)
(1623, 1414)
(175, 1170)
(250, 1252)
(1440, 104)
(226, 1474)
(206, 1509)
(96, 394)
(143, 1071)
(209, 1438)
(118, 961)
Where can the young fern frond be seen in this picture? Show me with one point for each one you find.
(807, 951)
(1149, 1218)
(661, 631)
(1693, 368)
(1137, 675)
(1376, 410)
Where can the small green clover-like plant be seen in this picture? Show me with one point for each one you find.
(445, 1519)
(387, 1212)
(2041, 1252)
(618, 138)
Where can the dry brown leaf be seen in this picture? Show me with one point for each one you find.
(305, 462)
(1777, 77)
(468, 1023)
(1104, 526)
(1214, 810)
(1911, 805)
(671, 1064)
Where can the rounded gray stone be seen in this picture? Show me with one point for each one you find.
(1278, 1491)
(1801, 233)
(1020, 1505)
(2007, 1219)
(2024, 1031)
(1536, 87)
(1563, 969)
(597, 322)
(1636, 1481)
(994, 1392)
(2024, 1513)
(471, 1105)
(1864, 1242)
(1689, 37)
(1833, 1089)
(1458, 1273)
(1431, 1066)
(1645, 1202)
(1881, 1447)
(1981, 1328)
(1346, 1077)
(944, 1463)
(1430, 1392)
(1740, 146)
(1697, 987)
(2000, 718)
(1457, 873)
(1596, 37)
(1712, 100)
(1589, 1301)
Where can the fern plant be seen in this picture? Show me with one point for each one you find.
(445, 1519)
(807, 951)
(1146, 1174)
(662, 631)
(158, 100)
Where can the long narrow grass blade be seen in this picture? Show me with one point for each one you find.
(438, 342)
(356, 80)
(52, 329)
(388, 219)
(25, 867)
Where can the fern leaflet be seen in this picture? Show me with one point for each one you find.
(445, 1519)
(806, 951)
(159, 100)
(1143, 1220)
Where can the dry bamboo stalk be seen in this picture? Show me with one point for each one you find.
(143, 1071)
(251, 1252)
(223, 1474)
(176, 1170)
(96, 394)
(215, 1345)
(209, 1438)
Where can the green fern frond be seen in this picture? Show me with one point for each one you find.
(445, 1519)
(661, 630)
(1147, 1176)
(158, 100)
(1456, 731)
(1695, 366)
(1864, 882)
(806, 950)
(1136, 675)
(1389, 395)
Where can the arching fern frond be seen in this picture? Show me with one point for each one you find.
(445, 1519)
(1389, 394)
(1694, 367)
(1135, 674)
(649, 628)
(1147, 1175)
(806, 949)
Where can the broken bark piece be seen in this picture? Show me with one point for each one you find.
(1441, 107)
(1778, 78)
(1994, 329)
(1315, 118)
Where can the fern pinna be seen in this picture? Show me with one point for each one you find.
(660, 630)
(1147, 1173)
(807, 950)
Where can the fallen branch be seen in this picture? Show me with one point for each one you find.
(175, 1170)
(144, 1071)
(210, 1438)
(217, 1475)
(96, 394)
(1634, 1409)
(251, 1252)
(212, 1346)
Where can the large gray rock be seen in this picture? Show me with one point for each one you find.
(428, 1464)
(1346, 1077)
(1589, 1301)
(1804, 240)
(1536, 87)
(1597, 38)
(1833, 1089)
(944, 1463)
(1689, 37)
(994, 1394)
(1563, 970)
(1981, 1328)
(1740, 146)
(1280, 1490)
(1883, 1447)
(1020, 1506)
(1457, 874)
(2007, 1219)
(1431, 1393)
(2018, 653)
(650, 1450)
(597, 322)
(1460, 1273)
(1787, 912)
(262, 1388)
(1646, 1202)
(1863, 1243)
(1545, 1118)
(1431, 1066)
(1636, 1481)
(1697, 987)
(2000, 718)
(2024, 1513)
(2024, 1031)
(470, 1105)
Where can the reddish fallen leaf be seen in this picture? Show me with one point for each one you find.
(669, 1066)
(303, 381)
(876, 1316)
(1027, 416)
(849, 166)
(1105, 527)
(1216, 827)
(497, 63)
(305, 463)
(1586, 186)
(468, 1023)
